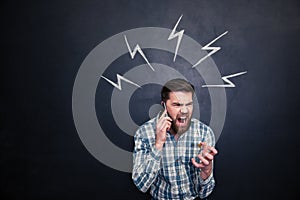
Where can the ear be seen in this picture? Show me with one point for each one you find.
(164, 105)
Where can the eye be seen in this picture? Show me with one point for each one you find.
(177, 104)
(189, 104)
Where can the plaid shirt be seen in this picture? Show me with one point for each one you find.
(170, 172)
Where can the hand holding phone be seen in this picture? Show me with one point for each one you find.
(165, 107)
(162, 126)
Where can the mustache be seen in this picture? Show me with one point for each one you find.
(184, 115)
(180, 116)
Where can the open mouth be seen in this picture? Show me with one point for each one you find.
(182, 120)
(181, 124)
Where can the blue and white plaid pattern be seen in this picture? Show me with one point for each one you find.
(170, 172)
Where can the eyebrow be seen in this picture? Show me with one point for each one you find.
(181, 104)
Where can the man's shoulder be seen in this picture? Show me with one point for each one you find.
(148, 126)
(150, 122)
(200, 125)
(204, 131)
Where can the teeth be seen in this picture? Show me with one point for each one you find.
(182, 119)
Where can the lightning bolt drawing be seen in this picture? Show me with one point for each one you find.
(174, 35)
(137, 49)
(119, 78)
(208, 47)
(225, 79)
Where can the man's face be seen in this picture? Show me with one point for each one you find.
(180, 109)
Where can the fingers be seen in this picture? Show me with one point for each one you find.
(203, 162)
(206, 156)
(164, 125)
(206, 159)
(213, 151)
(164, 122)
(164, 114)
(208, 150)
(198, 165)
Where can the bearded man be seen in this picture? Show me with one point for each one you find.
(173, 153)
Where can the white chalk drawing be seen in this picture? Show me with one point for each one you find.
(225, 79)
(119, 78)
(137, 49)
(208, 47)
(174, 35)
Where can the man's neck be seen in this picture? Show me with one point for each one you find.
(175, 134)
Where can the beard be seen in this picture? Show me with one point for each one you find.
(180, 129)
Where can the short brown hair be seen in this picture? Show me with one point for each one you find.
(176, 85)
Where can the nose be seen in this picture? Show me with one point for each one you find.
(184, 109)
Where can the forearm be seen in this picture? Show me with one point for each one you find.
(205, 173)
(206, 186)
(206, 178)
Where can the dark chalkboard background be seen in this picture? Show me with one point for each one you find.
(44, 43)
